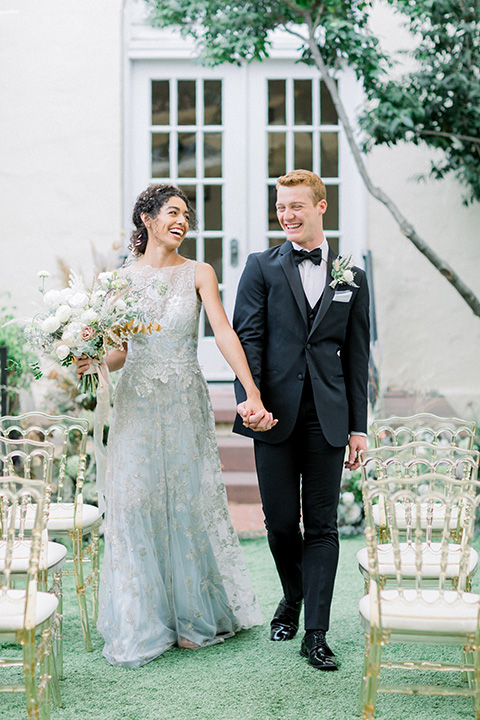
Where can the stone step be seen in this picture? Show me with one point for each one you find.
(247, 519)
(223, 401)
(242, 487)
(236, 453)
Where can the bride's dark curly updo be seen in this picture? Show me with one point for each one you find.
(150, 201)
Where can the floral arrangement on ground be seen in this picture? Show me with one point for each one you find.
(350, 506)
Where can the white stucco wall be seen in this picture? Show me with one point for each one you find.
(60, 137)
(61, 145)
(429, 339)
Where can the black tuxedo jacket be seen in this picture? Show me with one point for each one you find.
(270, 319)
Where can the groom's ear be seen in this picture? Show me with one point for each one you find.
(322, 206)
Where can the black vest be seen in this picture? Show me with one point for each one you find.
(312, 312)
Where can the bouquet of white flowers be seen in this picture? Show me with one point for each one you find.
(87, 321)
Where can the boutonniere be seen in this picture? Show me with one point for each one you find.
(342, 272)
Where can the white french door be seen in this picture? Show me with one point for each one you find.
(186, 128)
(224, 135)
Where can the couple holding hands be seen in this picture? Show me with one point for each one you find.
(173, 572)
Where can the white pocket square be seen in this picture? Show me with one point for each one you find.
(342, 296)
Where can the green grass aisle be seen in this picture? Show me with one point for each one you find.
(246, 678)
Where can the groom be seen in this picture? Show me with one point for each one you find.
(306, 337)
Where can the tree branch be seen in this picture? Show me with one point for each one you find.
(406, 228)
(467, 138)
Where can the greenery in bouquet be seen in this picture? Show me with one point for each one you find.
(87, 321)
(350, 506)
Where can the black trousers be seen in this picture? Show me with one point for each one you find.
(303, 475)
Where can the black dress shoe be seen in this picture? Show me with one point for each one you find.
(315, 649)
(284, 624)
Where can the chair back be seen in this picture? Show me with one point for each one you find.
(31, 460)
(17, 493)
(426, 427)
(419, 513)
(68, 435)
(26, 458)
(417, 458)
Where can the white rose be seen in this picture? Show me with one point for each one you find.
(348, 276)
(43, 274)
(104, 279)
(348, 498)
(64, 313)
(68, 336)
(52, 299)
(78, 299)
(88, 316)
(50, 324)
(71, 332)
(353, 514)
(65, 294)
(120, 304)
(63, 351)
(98, 295)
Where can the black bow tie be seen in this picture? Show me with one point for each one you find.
(314, 255)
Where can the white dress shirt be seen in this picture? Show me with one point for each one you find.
(313, 277)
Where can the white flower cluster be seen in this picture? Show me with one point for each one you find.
(342, 272)
(85, 321)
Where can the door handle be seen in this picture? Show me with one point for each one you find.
(234, 252)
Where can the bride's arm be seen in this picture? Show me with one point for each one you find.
(229, 345)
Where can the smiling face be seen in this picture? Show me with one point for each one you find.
(300, 218)
(170, 224)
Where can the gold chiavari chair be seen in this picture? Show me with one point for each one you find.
(75, 519)
(425, 427)
(28, 616)
(414, 460)
(34, 460)
(410, 612)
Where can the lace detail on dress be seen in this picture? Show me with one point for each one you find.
(172, 567)
(170, 353)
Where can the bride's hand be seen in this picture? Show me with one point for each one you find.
(83, 364)
(256, 418)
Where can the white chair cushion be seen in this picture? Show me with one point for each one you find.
(425, 612)
(12, 609)
(430, 560)
(55, 558)
(61, 516)
(438, 520)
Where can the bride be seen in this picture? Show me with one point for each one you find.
(173, 571)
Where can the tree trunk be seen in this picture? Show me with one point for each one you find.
(407, 229)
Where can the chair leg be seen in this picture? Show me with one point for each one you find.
(363, 685)
(95, 573)
(58, 590)
(372, 676)
(476, 697)
(468, 659)
(52, 672)
(80, 585)
(29, 672)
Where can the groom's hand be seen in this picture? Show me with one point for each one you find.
(260, 421)
(355, 444)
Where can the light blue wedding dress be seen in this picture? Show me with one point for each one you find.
(172, 567)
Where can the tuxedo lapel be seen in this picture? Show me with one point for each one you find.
(293, 277)
(328, 293)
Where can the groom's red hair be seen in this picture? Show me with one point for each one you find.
(305, 177)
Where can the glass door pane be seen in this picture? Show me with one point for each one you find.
(302, 133)
(187, 150)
